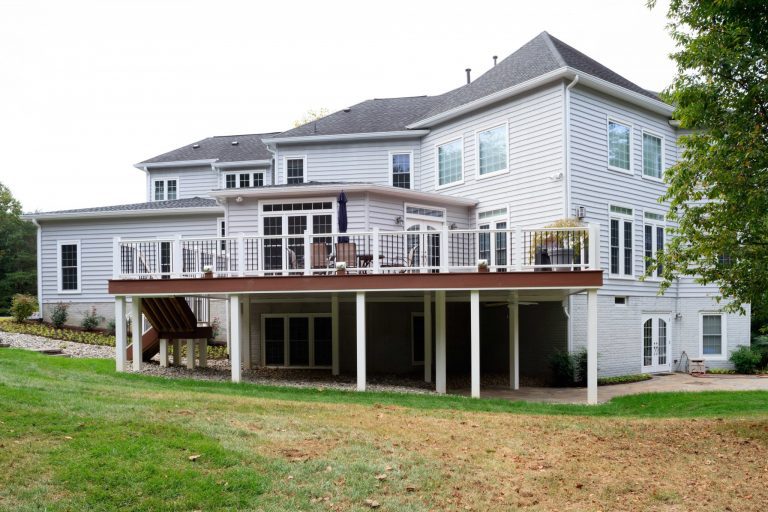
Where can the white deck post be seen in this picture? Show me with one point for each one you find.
(594, 246)
(444, 254)
(334, 334)
(136, 328)
(592, 346)
(245, 337)
(307, 254)
(361, 366)
(376, 263)
(514, 344)
(121, 337)
(234, 337)
(474, 314)
(191, 353)
(519, 249)
(177, 257)
(202, 354)
(176, 352)
(440, 354)
(427, 337)
(163, 353)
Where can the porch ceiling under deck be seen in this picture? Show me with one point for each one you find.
(536, 285)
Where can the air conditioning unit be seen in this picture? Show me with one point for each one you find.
(581, 212)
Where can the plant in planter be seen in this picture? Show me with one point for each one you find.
(341, 268)
(559, 247)
(482, 265)
(208, 272)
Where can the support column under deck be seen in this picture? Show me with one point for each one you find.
(592, 346)
(440, 350)
(334, 334)
(190, 354)
(163, 353)
(136, 328)
(427, 337)
(514, 344)
(361, 363)
(245, 336)
(474, 351)
(121, 336)
(235, 357)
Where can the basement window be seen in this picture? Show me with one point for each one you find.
(621, 301)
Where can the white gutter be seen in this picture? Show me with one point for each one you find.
(178, 163)
(39, 265)
(567, 180)
(565, 72)
(335, 188)
(224, 165)
(346, 137)
(155, 212)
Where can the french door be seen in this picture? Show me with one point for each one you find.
(423, 249)
(656, 343)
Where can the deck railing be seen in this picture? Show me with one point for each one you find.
(375, 251)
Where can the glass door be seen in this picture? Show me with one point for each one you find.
(656, 344)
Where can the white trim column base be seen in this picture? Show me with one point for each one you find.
(592, 347)
(474, 343)
(440, 350)
(361, 356)
(235, 358)
(121, 336)
(136, 328)
(163, 353)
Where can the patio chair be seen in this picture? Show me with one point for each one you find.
(291, 257)
(347, 252)
(319, 254)
(410, 260)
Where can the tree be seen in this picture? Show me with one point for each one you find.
(18, 246)
(718, 190)
(311, 115)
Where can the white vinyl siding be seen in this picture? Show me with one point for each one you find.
(401, 171)
(69, 266)
(165, 189)
(621, 241)
(653, 156)
(194, 181)
(493, 150)
(296, 168)
(450, 163)
(712, 331)
(619, 146)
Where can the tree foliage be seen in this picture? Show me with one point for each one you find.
(311, 115)
(718, 190)
(18, 246)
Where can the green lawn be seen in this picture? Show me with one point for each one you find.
(75, 435)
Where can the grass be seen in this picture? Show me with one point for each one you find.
(75, 435)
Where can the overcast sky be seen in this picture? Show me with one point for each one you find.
(88, 88)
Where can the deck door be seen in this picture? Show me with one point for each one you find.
(656, 334)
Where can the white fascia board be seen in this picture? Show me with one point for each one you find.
(335, 188)
(242, 163)
(158, 212)
(565, 72)
(178, 163)
(346, 137)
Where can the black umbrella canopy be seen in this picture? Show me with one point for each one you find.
(342, 216)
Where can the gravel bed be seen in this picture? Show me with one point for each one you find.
(70, 348)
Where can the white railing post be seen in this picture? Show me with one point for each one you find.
(375, 249)
(594, 246)
(241, 254)
(492, 247)
(116, 267)
(307, 254)
(177, 267)
(519, 249)
(444, 255)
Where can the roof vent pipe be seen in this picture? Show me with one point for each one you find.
(468, 70)
(494, 59)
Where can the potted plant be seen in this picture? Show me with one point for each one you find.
(341, 268)
(207, 272)
(482, 265)
(559, 247)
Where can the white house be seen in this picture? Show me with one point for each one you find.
(433, 185)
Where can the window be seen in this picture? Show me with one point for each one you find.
(621, 241)
(423, 211)
(165, 190)
(619, 146)
(297, 340)
(278, 219)
(493, 249)
(449, 163)
(401, 169)
(417, 338)
(620, 301)
(244, 180)
(294, 169)
(69, 267)
(492, 150)
(652, 155)
(712, 339)
(653, 239)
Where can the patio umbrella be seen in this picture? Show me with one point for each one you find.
(342, 216)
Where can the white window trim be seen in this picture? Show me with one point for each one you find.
(438, 186)
(655, 224)
(479, 176)
(621, 305)
(165, 187)
(495, 218)
(304, 178)
(617, 120)
(391, 170)
(285, 215)
(723, 356)
(642, 155)
(286, 338)
(59, 243)
(416, 216)
(237, 174)
(621, 217)
(414, 362)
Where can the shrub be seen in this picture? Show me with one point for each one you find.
(623, 379)
(60, 314)
(22, 306)
(745, 359)
(215, 328)
(561, 363)
(580, 367)
(91, 338)
(760, 346)
(91, 320)
(110, 330)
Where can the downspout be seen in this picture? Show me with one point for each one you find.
(39, 265)
(568, 302)
(274, 159)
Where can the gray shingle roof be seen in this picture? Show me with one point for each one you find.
(219, 148)
(539, 56)
(192, 202)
